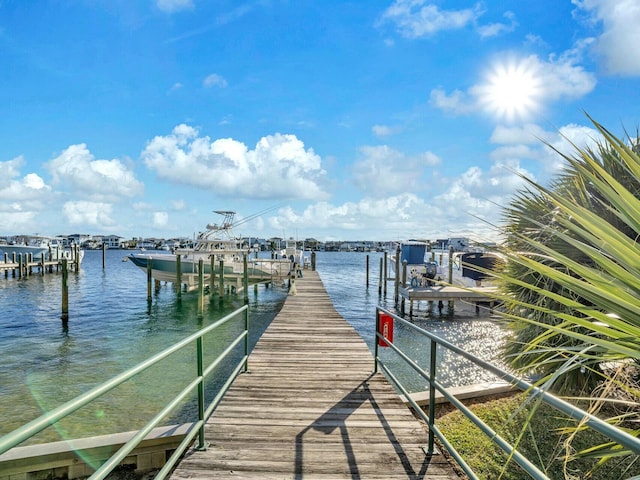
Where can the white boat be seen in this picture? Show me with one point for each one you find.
(38, 246)
(426, 268)
(295, 254)
(35, 246)
(216, 244)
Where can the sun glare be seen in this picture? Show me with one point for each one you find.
(512, 90)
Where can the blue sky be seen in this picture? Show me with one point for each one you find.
(348, 120)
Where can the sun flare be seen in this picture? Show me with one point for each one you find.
(512, 90)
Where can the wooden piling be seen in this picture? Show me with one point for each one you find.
(212, 281)
(245, 280)
(404, 283)
(384, 285)
(179, 275)
(200, 287)
(397, 273)
(367, 280)
(65, 291)
(380, 280)
(451, 303)
(313, 261)
(104, 249)
(149, 268)
(221, 279)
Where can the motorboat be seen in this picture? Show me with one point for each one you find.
(294, 254)
(217, 246)
(469, 268)
(35, 246)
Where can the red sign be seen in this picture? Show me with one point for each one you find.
(385, 328)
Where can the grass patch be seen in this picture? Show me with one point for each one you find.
(542, 443)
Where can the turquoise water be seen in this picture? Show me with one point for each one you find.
(112, 327)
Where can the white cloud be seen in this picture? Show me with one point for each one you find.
(171, 6)
(415, 18)
(178, 204)
(31, 187)
(529, 133)
(214, 80)
(17, 221)
(617, 46)
(93, 214)
(456, 103)
(495, 29)
(385, 169)
(568, 136)
(76, 169)
(563, 79)
(385, 130)
(396, 217)
(556, 79)
(278, 167)
(160, 219)
(532, 142)
(397, 213)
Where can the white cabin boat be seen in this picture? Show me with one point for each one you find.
(216, 246)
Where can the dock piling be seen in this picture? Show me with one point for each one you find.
(179, 275)
(367, 283)
(221, 279)
(149, 268)
(200, 287)
(65, 292)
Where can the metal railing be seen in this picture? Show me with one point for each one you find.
(197, 383)
(619, 436)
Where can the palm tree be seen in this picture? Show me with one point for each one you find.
(572, 281)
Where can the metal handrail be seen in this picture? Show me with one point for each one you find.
(27, 431)
(619, 436)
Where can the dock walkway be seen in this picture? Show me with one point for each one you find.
(309, 407)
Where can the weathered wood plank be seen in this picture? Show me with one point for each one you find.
(310, 408)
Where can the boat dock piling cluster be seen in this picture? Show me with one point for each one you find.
(23, 265)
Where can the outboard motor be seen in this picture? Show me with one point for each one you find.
(432, 270)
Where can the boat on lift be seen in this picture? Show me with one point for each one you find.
(469, 268)
(218, 246)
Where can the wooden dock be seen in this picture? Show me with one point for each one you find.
(448, 293)
(310, 407)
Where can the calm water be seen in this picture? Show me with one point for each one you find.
(112, 327)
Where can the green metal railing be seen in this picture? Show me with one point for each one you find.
(32, 428)
(619, 436)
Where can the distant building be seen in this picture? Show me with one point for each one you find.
(76, 239)
(112, 241)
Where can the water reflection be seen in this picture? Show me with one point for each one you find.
(344, 276)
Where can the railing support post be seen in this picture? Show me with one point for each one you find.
(375, 342)
(246, 314)
(202, 445)
(200, 287)
(432, 393)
